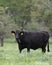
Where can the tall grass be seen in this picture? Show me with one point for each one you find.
(9, 55)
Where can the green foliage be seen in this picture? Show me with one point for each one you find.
(9, 54)
(25, 14)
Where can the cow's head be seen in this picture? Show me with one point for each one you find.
(16, 33)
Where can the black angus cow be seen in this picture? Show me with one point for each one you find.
(32, 40)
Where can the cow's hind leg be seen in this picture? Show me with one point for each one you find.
(43, 50)
(28, 50)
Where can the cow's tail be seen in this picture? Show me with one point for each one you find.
(48, 47)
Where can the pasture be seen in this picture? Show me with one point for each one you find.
(9, 55)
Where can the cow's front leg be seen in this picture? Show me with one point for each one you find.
(20, 49)
(28, 47)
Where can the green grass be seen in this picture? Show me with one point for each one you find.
(9, 55)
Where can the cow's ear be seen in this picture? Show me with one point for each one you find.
(13, 32)
(22, 34)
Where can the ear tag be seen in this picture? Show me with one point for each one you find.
(21, 33)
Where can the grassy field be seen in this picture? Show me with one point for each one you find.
(9, 55)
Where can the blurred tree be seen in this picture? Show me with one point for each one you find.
(6, 25)
(20, 12)
(26, 14)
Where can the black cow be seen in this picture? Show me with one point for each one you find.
(32, 40)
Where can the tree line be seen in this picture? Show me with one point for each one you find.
(30, 15)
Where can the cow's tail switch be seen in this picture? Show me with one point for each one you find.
(48, 47)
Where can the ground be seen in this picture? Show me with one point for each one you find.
(9, 55)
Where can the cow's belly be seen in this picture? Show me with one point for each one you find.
(36, 46)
